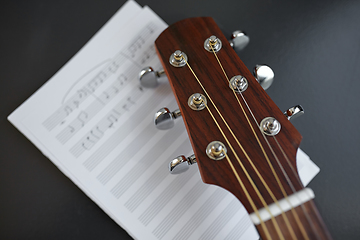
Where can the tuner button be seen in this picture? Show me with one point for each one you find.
(181, 164)
(164, 119)
(239, 40)
(264, 75)
(294, 112)
(149, 78)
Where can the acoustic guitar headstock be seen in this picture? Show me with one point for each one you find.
(241, 140)
(233, 125)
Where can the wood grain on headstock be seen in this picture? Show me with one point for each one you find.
(188, 36)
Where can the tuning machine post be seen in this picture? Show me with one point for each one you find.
(149, 78)
(294, 112)
(181, 164)
(239, 40)
(164, 119)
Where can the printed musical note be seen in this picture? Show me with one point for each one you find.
(89, 142)
(113, 67)
(66, 134)
(107, 95)
(101, 76)
(82, 93)
(151, 28)
(116, 90)
(125, 107)
(97, 81)
(148, 54)
(71, 128)
(145, 58)
(112, 119)
(96, 132)
(105, 124)
(68, 110)
(129, 103)
(75, 101)
(136, 46)
(93, 85)
(82, 118)
(122, 79)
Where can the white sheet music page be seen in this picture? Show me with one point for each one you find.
(94, 121)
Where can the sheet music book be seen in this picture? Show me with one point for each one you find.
(94, 121)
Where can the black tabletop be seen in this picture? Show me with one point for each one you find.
(312, 46)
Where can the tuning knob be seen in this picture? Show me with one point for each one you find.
(264, 75)
(239, 40)
(164, 119)
(181, 164)
(294, 112)
(149, 78)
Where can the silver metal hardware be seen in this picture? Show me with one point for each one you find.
(197, 102)
(213, 42)
(264, 75)
(164, 119)
(239, 40)
(178, 59)
(181, 164)
(270, 126)
(294, 112)
(216, 150)
(238, 83)
(149, 78)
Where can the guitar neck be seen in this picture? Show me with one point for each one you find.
(309, 224)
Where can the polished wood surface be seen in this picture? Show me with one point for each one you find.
(188, 36)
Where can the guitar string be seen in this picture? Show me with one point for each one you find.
(271, 167)
(247, 195)
(302, 206)
(244, 169)
(259, 175)
(274, 173)
(267, 159)
(286, 176)
(266, 231)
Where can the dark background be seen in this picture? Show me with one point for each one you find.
(312, 46)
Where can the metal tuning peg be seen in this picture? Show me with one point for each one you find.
(181, 164)
(264, 75)
(164, 118)
(239, 40)
(294, 112)
(149, 78)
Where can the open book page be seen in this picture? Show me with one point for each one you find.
(95, 122)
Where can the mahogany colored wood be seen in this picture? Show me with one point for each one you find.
(188, 36)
